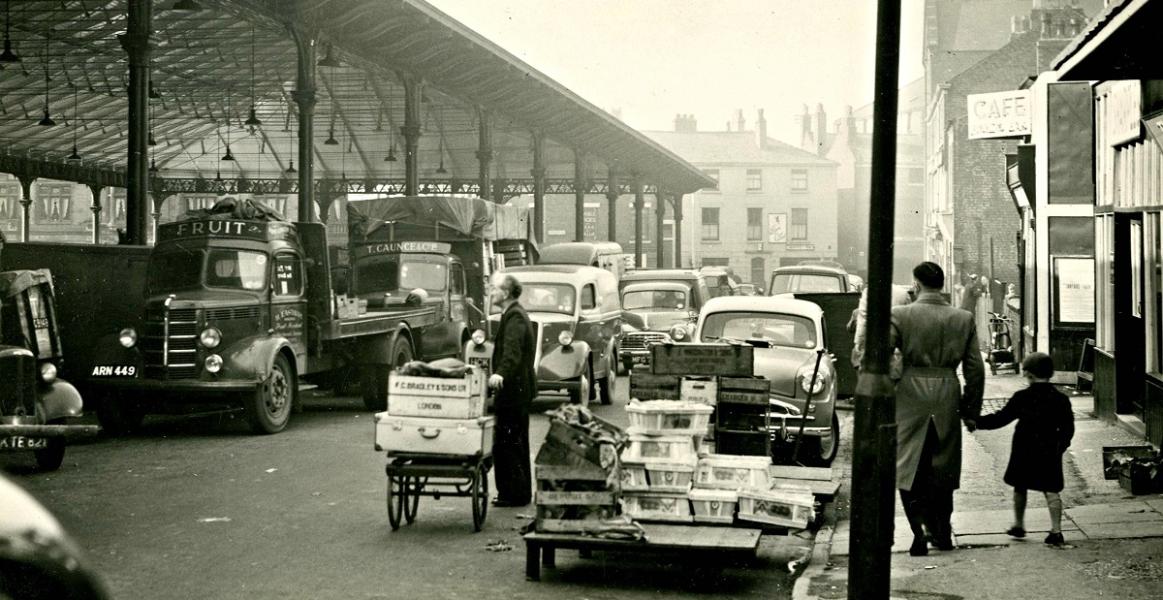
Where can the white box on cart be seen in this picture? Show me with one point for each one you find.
(426, 435)
(438, 397)
(472, 384)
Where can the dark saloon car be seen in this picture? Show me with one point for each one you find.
(655, 312)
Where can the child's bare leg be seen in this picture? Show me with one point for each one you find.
(1019, 508)
(1054, 503)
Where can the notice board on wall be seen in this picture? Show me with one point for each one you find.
(1073, 290)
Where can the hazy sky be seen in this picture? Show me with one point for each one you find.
(655, 58)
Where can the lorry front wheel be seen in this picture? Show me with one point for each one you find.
(375, 377)
(51, 457)
(270, 408)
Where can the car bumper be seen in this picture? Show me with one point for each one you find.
(50, 431)
(565, 385)
(186, 386)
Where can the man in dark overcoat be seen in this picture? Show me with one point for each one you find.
(514, 381)
(934, 339)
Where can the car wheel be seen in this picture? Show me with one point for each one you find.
(827, 446)
(581, 394)
(608, 385)
(51, 457)
(269, 408)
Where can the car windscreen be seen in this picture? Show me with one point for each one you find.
(390, 273)
(174, 270)
(806, 282)
(778, 329)
(548, 297)
(656, 299)
(236, 269)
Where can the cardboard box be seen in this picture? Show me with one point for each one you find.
(669, 417)
(714, 506)
(472, 384)
(671, 448)
(425, 435)
(728, 472)
(657, 506)
(634, 477)
(784, 508)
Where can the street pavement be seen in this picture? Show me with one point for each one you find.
(199, 508)
(1114, 540)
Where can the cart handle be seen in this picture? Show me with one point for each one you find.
(429, 433)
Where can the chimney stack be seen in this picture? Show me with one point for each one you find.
(761, 130)
(821, 132)
(685, 123)
(740, 121)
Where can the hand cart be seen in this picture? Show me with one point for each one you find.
(1001, 345)
(411, 475)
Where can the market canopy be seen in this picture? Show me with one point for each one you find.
(212, 65)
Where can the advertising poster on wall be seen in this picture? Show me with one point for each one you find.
(777, 228)
(1074, 290)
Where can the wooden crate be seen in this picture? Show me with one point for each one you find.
(647, 386)
(744, 390)
(702, 359)
(574, 500)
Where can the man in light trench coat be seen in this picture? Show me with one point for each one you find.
(934, 338)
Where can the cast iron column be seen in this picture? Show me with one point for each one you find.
(411, 133)
(26, 207)
(484, 154)
(639, 203)
(137, 45)
(538, 174)
(612, 194)
(580, 185)
(95, 206)
(676, 207)
(874, 433)
(304, 97)
(499, 191)
(659, 214)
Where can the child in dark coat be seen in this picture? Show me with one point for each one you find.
(1043, 433)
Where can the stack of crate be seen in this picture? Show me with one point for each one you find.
(742, 421)
(578, 476)
(435, 415)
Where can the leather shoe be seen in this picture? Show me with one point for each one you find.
(920, 547)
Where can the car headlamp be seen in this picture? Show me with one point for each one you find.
(210, 337)
(48, 372)
(820, 383)
(478, 337)
(127, 337)
(678, 332)
(565, 338)
(213, 363)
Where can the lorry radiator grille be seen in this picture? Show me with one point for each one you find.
(180, 349)
(18, 392)
(236, 312)
(640, 340)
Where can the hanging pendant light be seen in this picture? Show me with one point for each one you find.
(291, 168)
(74, 156)
(46, 121)
(331, 141)
(253, 121)
(8, 56)
(391, 157)
(153, 165)
(441, 170)
(228, 155)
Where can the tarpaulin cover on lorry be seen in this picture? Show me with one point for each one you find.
(14, 282)
(246, 209)
(472, 217)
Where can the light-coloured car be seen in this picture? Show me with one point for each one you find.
(789, 338)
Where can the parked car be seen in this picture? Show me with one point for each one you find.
(720, 281)
(748, 289)
(604, 255)
(36, 406)
(578, 317)
(810, 279)
(637, 334)
(654, 312)
(789, 337)
(37, 557)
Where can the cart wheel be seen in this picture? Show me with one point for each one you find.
(397, 495)
(480, 497)
(413, 500)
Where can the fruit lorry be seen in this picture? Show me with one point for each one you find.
(243, 312)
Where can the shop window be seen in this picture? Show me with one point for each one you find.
(710, 224)
(754, 224)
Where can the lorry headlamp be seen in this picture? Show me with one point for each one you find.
(213, 363)
(678, 332)
(127, 337)
(565, 338)
(478, 337)
(210, 337)
(48, 372)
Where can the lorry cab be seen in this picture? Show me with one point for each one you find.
(387, 275)
(603, 255)
(226, 310)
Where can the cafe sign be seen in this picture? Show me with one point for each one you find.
(999, 114)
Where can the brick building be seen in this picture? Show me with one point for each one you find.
(978, 46)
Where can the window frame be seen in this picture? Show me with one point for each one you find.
(798, 176)
(704, 224)
(592, 290)
(297, 261)
(793, 226)
(755, 230)
(754, 180)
